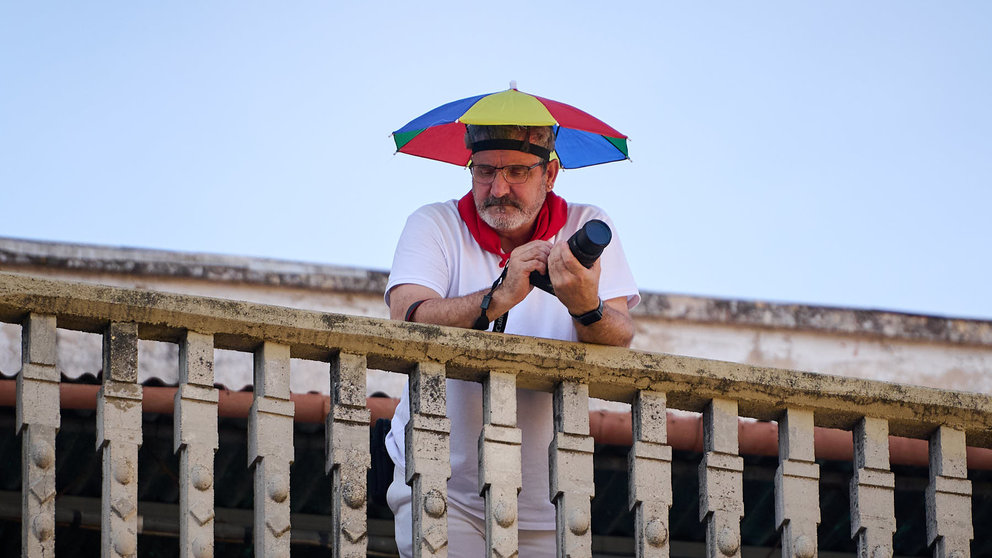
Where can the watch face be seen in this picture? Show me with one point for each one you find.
(591, 317)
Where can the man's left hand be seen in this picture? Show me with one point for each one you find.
(576, 287)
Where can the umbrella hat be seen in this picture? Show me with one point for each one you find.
(581, 140)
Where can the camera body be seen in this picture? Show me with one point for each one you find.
(587, 245)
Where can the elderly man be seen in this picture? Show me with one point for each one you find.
(446, 261)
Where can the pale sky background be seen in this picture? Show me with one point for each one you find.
(835, 153)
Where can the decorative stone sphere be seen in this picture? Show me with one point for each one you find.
(353, 496)
(505, 514)
(43, 454)
(728, 541)
(123, 470)
(202, 478)
(201, 550)
(655, 532)
(803, 547)
(578, 521)
(43, 527)
(434, 503)
(126, 544)
(278, 488)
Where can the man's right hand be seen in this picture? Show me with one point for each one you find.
(526, 258)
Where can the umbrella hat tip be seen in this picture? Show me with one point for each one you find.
(513, 84)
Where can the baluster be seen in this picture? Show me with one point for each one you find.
(499, 463)
(270, 449)
(38, 421)
(427, 459)
(948, 496)
(649, 466)
(572, 485)
(797, 488)
(348, 457)
(118, 438)
(873, 519)
(721, 496)
(195, 439)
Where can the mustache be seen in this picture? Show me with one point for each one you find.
(497, 202)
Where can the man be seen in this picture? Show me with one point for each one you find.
(446, 261)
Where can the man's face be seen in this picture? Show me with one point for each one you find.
(512, 208)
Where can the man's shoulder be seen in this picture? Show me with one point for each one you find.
(584, 209)
(580, 213)
(438, 210)
(439, 218)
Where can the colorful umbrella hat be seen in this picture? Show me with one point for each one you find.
(581, 140)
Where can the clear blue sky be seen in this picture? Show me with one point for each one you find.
(835, 153)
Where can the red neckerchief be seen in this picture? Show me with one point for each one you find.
(550, 219)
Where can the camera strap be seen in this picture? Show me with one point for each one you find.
(500, 324)
(482, 323)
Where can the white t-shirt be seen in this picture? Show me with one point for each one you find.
(436, 250)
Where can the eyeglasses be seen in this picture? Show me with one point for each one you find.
(514, 174)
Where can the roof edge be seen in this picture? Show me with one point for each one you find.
(93, 258)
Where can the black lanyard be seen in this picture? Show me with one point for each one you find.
(482, 323)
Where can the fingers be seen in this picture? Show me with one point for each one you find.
(525, 259)
(563, 260)
(532, 256)
(576, 286)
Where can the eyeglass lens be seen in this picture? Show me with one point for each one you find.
(514, 174)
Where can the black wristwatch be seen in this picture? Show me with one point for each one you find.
(590, 317)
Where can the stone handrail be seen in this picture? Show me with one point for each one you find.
(651, 382)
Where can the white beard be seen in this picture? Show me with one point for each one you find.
(502, 220)
(508, 218)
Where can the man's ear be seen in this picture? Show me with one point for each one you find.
(551, 174)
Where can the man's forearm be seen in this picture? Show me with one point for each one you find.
(462, 311)
(615, 328)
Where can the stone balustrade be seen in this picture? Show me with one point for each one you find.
(652, 383)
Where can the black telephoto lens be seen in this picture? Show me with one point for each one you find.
(588, 243)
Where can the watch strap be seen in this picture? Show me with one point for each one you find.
(590, 317)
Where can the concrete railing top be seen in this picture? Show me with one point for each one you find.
(84, 258)
(611, 373)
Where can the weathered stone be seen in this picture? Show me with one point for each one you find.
(118, 438)
(948, 496)
(270, 448)
(427, 454)
(721, 495)
(195, 439)
(570, 458)
(873, 519)
(649, 467)
(500, 478)
(796, 485)
(348, 455)
(203, 513)
(120, 352)
(610, 372)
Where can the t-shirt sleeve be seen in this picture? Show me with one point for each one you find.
(616, 279)
(420, 256)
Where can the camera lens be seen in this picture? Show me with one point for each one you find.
(587, 243)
